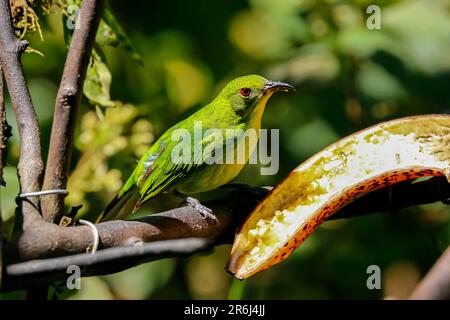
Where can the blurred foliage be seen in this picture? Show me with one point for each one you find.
(176, 55)
(116, 133)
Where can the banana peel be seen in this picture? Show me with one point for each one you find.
(368, 160)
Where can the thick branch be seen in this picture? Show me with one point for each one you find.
(50, 240)
(66, 106)
(30, 166)
(436, 284)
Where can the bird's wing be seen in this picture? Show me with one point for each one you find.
(167, 170)
(131, 185)
(144, 167)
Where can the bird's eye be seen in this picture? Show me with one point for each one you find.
(245, 92)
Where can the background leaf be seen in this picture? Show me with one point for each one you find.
(120, 35)
(97, 83)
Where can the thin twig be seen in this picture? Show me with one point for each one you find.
(66, 106)
(436, 284)
(22, 275)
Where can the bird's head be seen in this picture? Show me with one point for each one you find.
(246, 93)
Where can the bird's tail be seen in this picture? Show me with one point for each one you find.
(113, 208)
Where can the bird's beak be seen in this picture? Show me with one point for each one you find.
(274, 86)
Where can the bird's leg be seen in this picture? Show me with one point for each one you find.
(259, 191)
(206, 212)
(203, 210)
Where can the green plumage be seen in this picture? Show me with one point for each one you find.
(232, 112)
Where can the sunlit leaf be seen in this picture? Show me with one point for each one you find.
(97, 82)
(422, 29)
(371, 159)
(187, 83)
(314, 64)
(363, 42)
(106, 36)
(376, 82)
(9, 193)
(269, 29)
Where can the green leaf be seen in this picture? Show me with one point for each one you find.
(122, 37)
(66, 31)
(98, 81)
(66, 16)
(422, 29)
(106, 36)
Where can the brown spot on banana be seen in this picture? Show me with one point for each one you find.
(363, 162)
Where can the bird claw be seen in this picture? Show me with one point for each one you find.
(206, 212)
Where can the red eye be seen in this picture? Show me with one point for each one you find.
(245, 92)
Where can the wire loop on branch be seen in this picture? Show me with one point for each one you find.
(42, 193)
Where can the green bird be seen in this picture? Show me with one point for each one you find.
(222, 125)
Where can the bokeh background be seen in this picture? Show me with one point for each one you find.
(347, 77)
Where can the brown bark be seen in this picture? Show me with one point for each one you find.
(66, 106)
(30, 168)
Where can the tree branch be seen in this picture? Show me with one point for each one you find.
(66, 106)
(22, 275)
(436, 284)
(4, 135)
(46, 240)
(50, 240)
(30, 166)
(5, 130)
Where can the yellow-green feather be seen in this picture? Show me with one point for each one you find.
(222, 113)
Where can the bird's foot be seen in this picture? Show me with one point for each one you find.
(206, 212)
